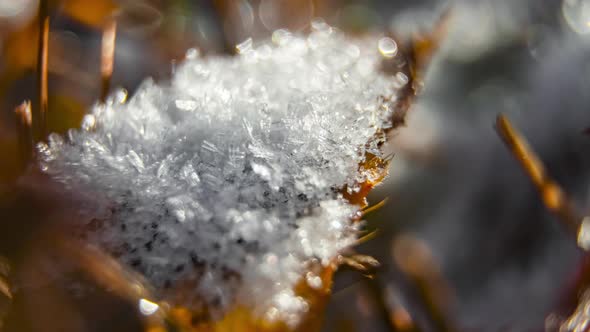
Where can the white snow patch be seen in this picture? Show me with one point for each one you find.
(235, 166)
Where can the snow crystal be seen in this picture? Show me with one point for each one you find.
(231, 174)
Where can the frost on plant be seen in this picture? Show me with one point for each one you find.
(229, 177)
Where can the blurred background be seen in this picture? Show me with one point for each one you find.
(464, 240)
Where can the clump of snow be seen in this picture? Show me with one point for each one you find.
(231, 174)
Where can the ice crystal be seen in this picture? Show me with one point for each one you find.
(231, 174)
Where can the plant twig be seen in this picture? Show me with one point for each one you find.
(554, 198)
(40, 112)
(431, 295)
(109, 36)
(375, 207)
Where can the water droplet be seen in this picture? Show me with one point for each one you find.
(577, 15)
(281, 36)
(584, 234)
(192, 54)
(88, 122)
(401, 80)
(147, 307)
(313, 281)
(121, 96)
(353, 51)
(387, 47)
